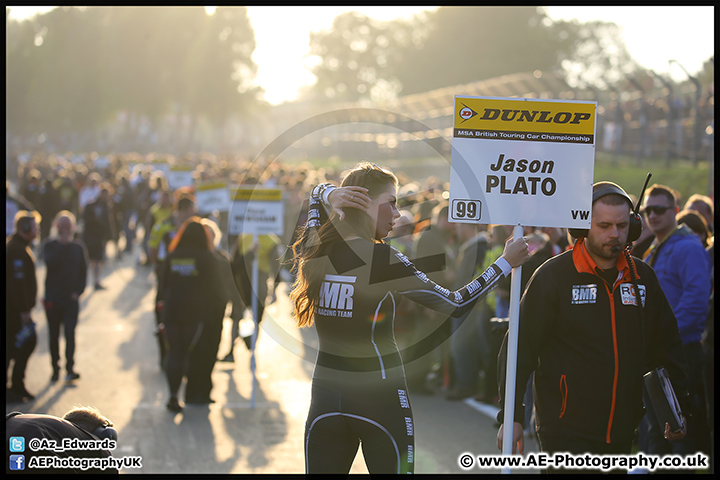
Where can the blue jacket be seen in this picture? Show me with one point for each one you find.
(683, 268)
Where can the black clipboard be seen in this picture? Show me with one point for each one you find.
(662, 397)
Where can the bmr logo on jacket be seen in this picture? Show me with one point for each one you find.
(336, 296)
(584, 294)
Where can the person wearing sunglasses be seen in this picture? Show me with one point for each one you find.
(683, 268)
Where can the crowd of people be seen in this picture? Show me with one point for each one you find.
(672, 126)
(73, 216)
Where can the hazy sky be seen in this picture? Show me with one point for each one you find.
(652, 34)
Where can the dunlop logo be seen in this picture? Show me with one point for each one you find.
(542, 116)
(492, 118)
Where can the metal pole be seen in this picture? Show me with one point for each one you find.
(255, 290)
(511, 370)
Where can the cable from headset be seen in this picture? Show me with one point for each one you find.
(638, 298)
(633, 275)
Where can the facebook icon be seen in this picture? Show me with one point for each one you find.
(17, 462)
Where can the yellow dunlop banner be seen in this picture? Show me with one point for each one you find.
(210, 186)
(537, 121)
(257, 194)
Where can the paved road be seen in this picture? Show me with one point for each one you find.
(117, 358)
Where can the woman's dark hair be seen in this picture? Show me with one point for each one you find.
(696, 223)
(316, 242)
(191, 234)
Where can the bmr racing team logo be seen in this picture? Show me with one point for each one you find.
(466, 113)
(336, 296)
(584, 294)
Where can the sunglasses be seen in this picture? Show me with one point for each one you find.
(657, 210)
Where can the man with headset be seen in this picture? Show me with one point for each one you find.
(580, 332)
(20, 298)
(92, 434)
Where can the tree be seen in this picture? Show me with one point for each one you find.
(219, 66)
(19, 67)
(457, 45)
(354, 58)
(599, 55)
(468, 44)
(72, 69)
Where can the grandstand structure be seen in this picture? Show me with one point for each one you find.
(636, 121)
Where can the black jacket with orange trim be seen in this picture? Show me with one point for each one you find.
(582, 337)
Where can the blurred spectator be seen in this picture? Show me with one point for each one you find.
(161, 236)
(683, 268)
(30, 190)
(704, 206)
(646, 238)
(20, 298)
(499, 299)
(191, 289)
(89, 192)
(66, 193)
(204, 355)
(557, 239)
(401, 236)
(467, 342)
(149, 194)
(435, 254)
(66, 277)
(80, 423)
(124, 208)
(696, 223)
(47, 206)
(492, 328)
(97, 231)
(13, 204)
(267, 250)
(708, 345)
(158, 213)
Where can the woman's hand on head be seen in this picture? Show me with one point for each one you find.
(516, 252)
(349, 197)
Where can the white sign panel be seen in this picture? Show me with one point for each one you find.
(256, 210)
(212, 196)
(180, 176)
(522, 162)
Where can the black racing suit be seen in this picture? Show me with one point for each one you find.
(359, 392)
